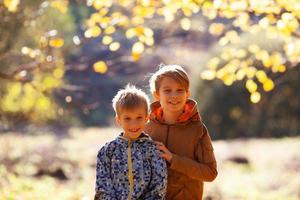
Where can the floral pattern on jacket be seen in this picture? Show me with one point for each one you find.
(149, 170)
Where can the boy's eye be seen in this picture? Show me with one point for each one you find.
(127, 118)
(167, 91)
(180, 90)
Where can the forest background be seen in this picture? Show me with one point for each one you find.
(62, 61)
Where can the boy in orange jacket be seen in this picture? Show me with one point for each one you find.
(180, 134)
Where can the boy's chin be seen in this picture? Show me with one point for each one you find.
(175, 109)
(133, 136)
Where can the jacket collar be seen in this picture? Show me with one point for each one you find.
(142, 138)
(190, 112)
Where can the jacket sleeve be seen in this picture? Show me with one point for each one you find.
(103, 187)
(204, 168)
(158, 186)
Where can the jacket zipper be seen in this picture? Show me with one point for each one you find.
(167, 138)
(130, 176)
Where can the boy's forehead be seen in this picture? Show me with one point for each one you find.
(169, 82)
(135, 110)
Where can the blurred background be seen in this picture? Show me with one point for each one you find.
(62, 61)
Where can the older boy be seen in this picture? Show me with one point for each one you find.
(182, 137)
(130, 167)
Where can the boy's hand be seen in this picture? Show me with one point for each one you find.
(166, 154)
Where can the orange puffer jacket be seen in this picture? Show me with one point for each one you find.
(193, 159)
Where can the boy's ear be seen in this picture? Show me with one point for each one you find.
(147, 117)
(117, 119)
(188, 93)
(156, 95)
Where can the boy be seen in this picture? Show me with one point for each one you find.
(182, 137)
(130, 167)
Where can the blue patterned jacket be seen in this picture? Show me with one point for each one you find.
(130, 170)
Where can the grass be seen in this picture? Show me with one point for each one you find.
(63, 167)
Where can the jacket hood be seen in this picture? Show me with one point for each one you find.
(190, 113)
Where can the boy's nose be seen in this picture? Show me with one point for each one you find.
(174, 95)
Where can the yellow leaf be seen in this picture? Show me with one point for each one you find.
(228, 13)
(142, 38)
(144, 12)
(148, 32)
(281, 68)
(114, 46)
(58, 73)
(106, 40)
(135, 56)
(213, 63)
(42, 103)
(138, 48)
(98, 4)
(130, 33)
(43, 41)
(92, 32)
(100, 67)
(241, 53)
(149, 41)
(185, 24)
(145, 3)
(216, 28)
(261, 76)
(232, 36)
(107, 3)
(255, 97)
(228, 79)
(25, 50)
(110, 30)
(250, 72)
(56, 42)
(29, 98)
(11, 5)
(187, 11)
(139, 30)
(268, 85)
(137, 20)
(123, 21)
(61, 5)
(49, 82)
(103, 12)
(124, 3)
(208, 74)
(15, 89)
(276, 58)
(251, 86)
(240, 75)
(264, 22)
(267, 63)
(238, 5)
(96, 17)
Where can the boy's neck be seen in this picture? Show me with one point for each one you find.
(171, 118)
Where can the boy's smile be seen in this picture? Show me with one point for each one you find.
(132, 121)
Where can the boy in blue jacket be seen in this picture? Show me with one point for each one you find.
(130, 167)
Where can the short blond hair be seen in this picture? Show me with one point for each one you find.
(175, 72)
(129, 98)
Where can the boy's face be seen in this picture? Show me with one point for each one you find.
(172, 95)
(132, 121)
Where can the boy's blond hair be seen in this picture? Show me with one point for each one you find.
(129, 98)
(175, 72)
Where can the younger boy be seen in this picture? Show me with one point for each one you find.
(130, 167)
(182, 137)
